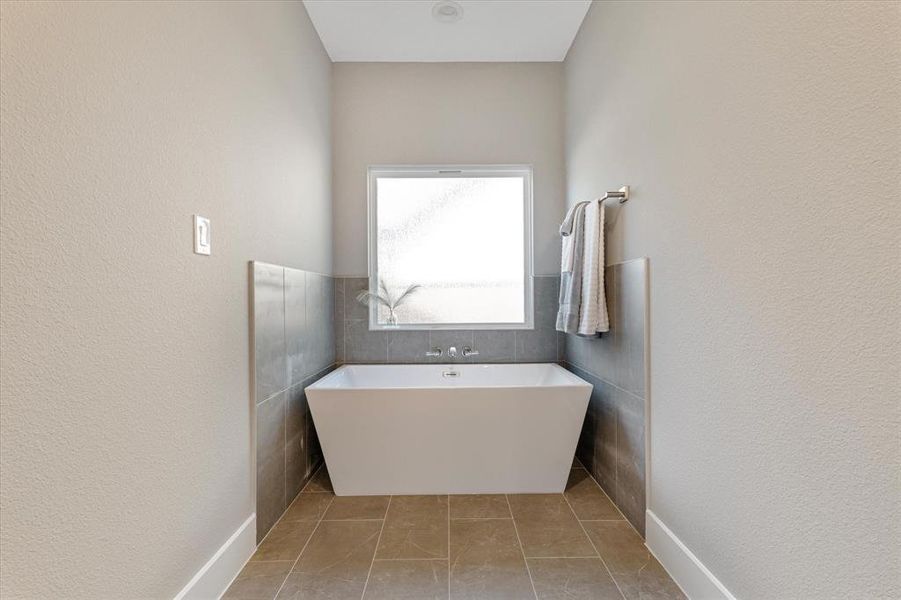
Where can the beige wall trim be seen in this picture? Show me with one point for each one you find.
(684, 567)
(220, 570)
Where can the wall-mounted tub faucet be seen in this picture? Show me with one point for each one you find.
(467, 351)
(452, 352)
(436, 352)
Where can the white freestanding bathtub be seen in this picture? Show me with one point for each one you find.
(448, 429)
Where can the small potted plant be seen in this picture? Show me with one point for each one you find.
(385, 298)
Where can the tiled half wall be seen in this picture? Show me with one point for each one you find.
(612, 443)
(293, 335)
(357, 344)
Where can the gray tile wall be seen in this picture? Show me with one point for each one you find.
(293, 346)
(612, 443)
(355, 343)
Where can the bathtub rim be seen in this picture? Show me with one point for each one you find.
(574, 381)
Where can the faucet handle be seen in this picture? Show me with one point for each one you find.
(434, 352)
(467, 351)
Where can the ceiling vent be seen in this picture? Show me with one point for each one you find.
(447, 11)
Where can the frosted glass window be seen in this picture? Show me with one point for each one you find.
(462, 235)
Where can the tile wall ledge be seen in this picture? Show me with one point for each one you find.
(278, 266)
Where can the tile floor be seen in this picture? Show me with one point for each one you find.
(574, 545)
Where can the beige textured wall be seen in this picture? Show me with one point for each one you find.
(124, 381)
(448, 113)
(762, 141)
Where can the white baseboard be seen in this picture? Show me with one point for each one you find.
(213, 578)
(693, 577)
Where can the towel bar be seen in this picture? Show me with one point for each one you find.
(622, 195)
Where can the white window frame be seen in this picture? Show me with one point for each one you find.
(445, 171)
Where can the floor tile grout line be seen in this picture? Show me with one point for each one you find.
(601, 520)
(606, 495)
(521, 549)
(603, 491)
(282, 517)
(376, 550)
(275, 560)
(408, 559)
(592, 557)
(313, 476)
(284, 512)
(267, 534)
(449, 520)
(302, 550)
(590, 541)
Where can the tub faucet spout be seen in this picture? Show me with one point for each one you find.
(452, 352)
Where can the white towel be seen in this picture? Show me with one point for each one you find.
(569, 235)
(593, 318)
(573, 232)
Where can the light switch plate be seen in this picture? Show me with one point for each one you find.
(201, 235)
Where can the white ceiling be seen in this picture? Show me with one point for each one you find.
(405, 31)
